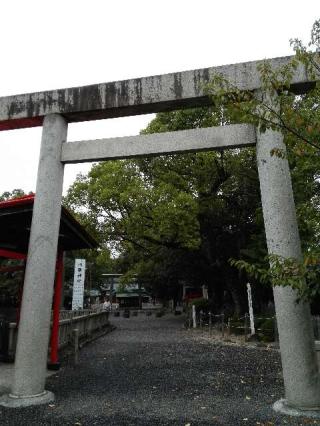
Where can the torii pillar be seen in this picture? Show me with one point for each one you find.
(34, 328)
(296, 338)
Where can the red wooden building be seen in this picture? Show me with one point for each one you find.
(15, 224)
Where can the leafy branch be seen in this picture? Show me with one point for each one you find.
(244, 106)
(302, 276)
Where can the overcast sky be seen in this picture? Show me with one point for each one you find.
(57, 44)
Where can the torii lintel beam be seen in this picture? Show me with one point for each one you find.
(132, 97)
(205, 139)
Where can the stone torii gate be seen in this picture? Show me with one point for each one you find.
(55, 109)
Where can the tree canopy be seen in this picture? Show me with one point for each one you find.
(181, 218)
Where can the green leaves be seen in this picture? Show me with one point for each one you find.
(125, 206)
(172, 218)
(302, 276)
(276, 107)
(7, 195)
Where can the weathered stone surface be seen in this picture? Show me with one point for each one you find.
(11, 401)
(131, 97)
(282, 407)
(34, 326)
(299, 362)
(159, 143)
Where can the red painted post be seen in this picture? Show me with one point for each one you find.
(54, 364)
(20, 294)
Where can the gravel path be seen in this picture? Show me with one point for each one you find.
(151, 371)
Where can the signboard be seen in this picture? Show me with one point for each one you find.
(78, 283)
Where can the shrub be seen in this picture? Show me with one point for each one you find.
(237, 327)
(266, 331)
(201, 304)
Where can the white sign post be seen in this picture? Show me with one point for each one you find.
(250, 309)
(78, 283)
